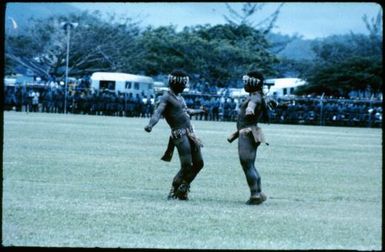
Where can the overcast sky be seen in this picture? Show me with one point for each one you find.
(311, 20)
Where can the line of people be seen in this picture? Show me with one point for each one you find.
(300, 110)
(52, 100)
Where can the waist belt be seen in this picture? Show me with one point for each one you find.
(255, 131)
(176, 135)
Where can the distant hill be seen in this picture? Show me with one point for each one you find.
(297, 49)
(18, 14)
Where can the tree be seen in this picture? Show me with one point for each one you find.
(217, 54)
(95, 45)
(247, 14)
(158, 47)
(354, 73)
(234, 50)
(347, 62)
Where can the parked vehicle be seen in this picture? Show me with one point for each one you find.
(123, 82)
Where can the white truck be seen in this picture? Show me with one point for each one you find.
(123, 82)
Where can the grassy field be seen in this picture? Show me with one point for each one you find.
(94, 181)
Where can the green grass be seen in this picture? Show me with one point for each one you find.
(94, 181)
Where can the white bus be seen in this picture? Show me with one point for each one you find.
(283, 86)
(128, 83)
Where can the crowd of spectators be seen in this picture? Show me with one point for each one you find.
(52, 100)
(291, 110)
(329, 111)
